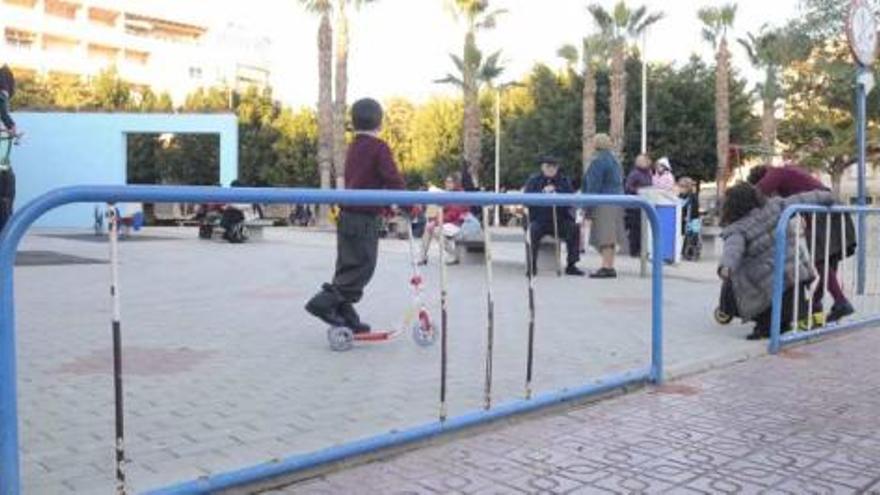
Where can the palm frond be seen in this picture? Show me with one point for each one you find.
(710, 17)
(492, 60)
(651, 19)
(459, 63)
(621, 14)
(728, 14)
(709, 36)
(601, 17)
(450, 79)
(569, 53)
(749, 46)
(317, 6)
(635, 17)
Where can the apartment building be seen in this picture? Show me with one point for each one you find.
(147, 46)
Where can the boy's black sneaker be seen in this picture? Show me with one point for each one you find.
(352, 320)
(839, 311)
(324, 306)
(574, 270)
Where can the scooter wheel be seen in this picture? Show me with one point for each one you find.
(424, 334)
(721, 317)
(341, 339)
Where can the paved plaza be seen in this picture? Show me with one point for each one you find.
(223, 367)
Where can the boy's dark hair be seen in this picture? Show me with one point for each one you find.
(366, 115)
(7, 80)
(739, 201)
(756, 174)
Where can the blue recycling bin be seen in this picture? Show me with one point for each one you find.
(668, 208)
(669, 226)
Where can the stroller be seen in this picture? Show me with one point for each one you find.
(692, 247)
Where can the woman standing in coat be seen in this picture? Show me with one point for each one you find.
(605, 176)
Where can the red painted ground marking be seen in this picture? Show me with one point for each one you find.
(140, 361)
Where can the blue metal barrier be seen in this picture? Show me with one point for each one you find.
(25, 217)
(777, 340)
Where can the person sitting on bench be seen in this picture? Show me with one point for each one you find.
(542, 218)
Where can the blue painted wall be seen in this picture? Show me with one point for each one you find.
(61, 149)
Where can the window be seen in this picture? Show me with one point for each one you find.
(59, 43)
(19, 38)
(102, 52)
(103, 17)
(59, 8)
(21, 3)
(137, 57)
(195, 72)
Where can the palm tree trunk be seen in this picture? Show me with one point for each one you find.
(471, 124)
(618, 95)
(722, 116)
(325, 106)
(339, 105)
(589, 117)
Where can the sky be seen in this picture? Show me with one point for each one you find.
(399, 47)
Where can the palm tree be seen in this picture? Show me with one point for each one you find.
(619, 27)
(341, 89)
(773, 51)
(594, 55)
(716, 22)
(474, 72)
(325, 85)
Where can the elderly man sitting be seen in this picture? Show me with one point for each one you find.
(550, 181)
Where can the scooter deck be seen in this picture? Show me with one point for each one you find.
(375, 336)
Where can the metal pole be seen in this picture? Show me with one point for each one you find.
(444, 319)
(113, 217)
(861, 96)
(497, 208)
(644, 92)
(490, 316)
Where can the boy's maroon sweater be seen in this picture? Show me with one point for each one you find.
(369, 165)
(787, 181)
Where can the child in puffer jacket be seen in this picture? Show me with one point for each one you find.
(749, 221)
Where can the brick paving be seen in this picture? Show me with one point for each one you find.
(803, 423)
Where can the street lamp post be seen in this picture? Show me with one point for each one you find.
(498, 93)
(644, 91)
(498, 153)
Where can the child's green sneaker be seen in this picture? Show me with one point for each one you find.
(818, 321)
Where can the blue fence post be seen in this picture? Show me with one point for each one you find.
(779, 278)
(656, 297)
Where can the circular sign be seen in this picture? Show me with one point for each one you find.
(862, 32)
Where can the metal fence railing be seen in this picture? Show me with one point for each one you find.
(10, 237)
(836, 239)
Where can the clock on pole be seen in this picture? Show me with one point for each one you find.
(861, 29)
